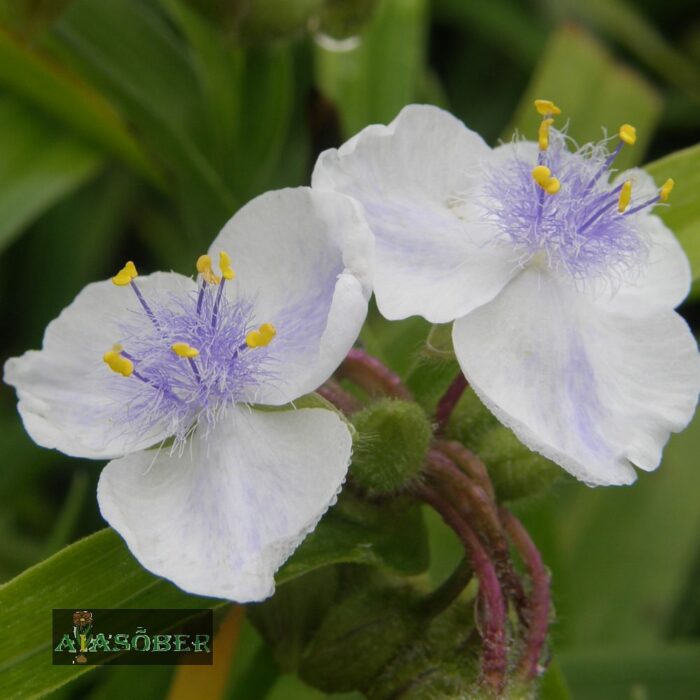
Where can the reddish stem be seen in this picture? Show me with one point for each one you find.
(372, 376)
(539, 601)
(448, 402)
(473, 503)
(494, 660)
(341, 399)
(468, 462)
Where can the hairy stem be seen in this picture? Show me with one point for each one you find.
(494, 660)
(372, 376)
(539, 601)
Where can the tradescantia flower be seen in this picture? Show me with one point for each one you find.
(561, 280)
(136, 360)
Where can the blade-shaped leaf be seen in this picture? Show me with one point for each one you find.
(100, 572)
(38, 167)
(64, 96)
(147, 72)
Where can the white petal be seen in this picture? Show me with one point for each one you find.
(662, 283)
(436, 257)
(591, 390)
(223, 517)
(66, 393)
(305, 258)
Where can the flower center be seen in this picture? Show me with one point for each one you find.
(188, 357)
(562, 206)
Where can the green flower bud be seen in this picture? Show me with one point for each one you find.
(343, 19)
(359, 637)
(514, 469)
(261, 20)
(393, 440)
(443, 662)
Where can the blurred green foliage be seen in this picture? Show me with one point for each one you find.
(137, 127)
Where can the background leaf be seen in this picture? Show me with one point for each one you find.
(38, 167)
(604, 94)
(682, 215)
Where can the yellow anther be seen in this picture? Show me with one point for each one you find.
(543, 133)
(261, 337)
(628, 134)
(184, 350)
(666, 189)
(552, 186)
(125, 275)
(268, 331)
(625, 196)
(546, 107)
(540, 174)
(225, 264)
(204, 267)
(118, 364)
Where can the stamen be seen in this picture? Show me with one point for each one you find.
(118, 364)
(261, 337)
(625, 196)
(596, 214)
(184, 350)
(125, 275)
(204, 267)
(552, 186)
(145, 305)
(666, 189)
(542, 175)
(543, 133)
(188, 352)
(215, 310)
(663, 196)
(628, 134)
(225, 265)
(546, 107)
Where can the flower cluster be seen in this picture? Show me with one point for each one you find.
(560, 280)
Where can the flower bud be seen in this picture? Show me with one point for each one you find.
(393, 440)
(360, 635)
(343, 19)
(262, 20)
(514, 469)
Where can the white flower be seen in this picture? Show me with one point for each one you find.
(221, 507)
(562, 283)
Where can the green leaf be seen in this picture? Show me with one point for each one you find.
(660, 673)
(96, 572)
(100, 572)
(64, 96)
(247, 98)
(373, 81)
(128, 50)
(360, 533)
(602, 94)
(553, 685)
(624, 22)
(625, 555)
(682, 215)
(39, 166)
